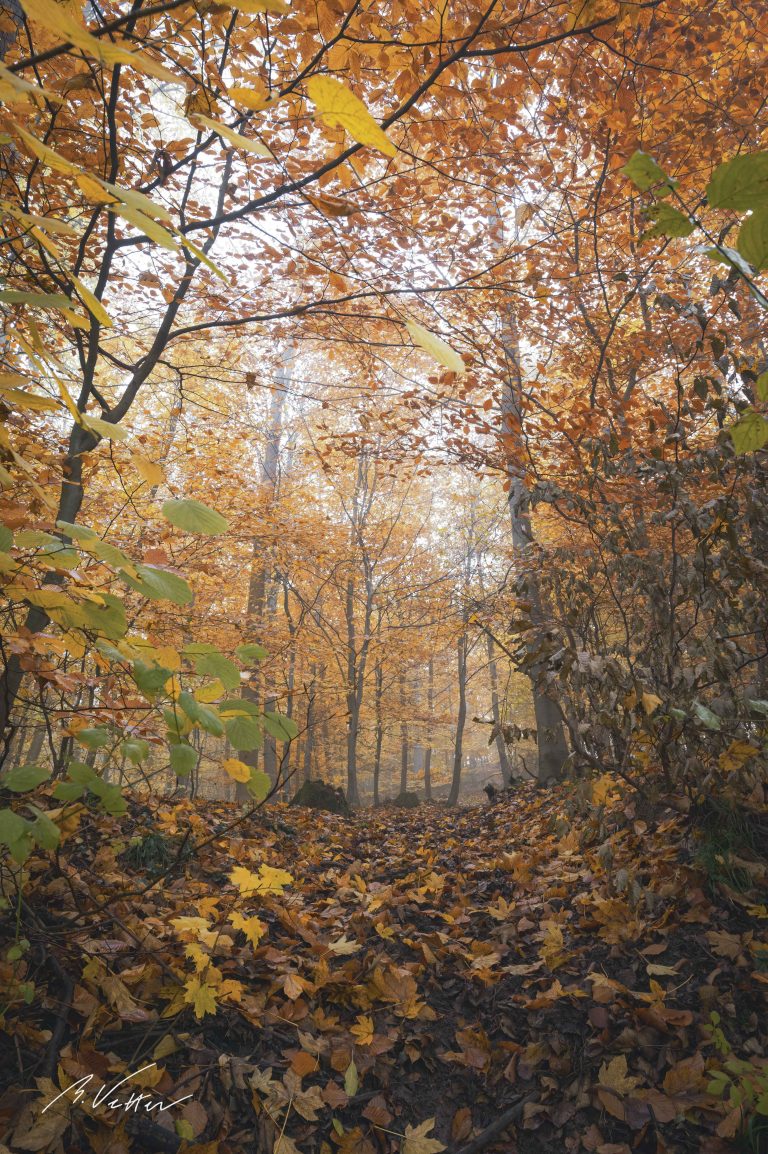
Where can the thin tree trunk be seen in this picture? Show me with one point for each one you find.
(458, 748)
(309, 738)
(428, 751)
(552, 747)
(379, 734)
(258, 600)
(403, 739)
(501, 745)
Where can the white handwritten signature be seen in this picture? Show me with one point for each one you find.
(135, 1102)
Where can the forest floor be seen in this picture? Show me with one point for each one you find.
(540, 974)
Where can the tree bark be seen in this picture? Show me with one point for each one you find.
(552, 747)
(458, 748)
(428, 751)
(379, 734)
(501, 745)
(403, 739)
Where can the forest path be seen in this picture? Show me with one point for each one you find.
(425, 965)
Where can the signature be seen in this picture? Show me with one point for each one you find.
(105, 1096)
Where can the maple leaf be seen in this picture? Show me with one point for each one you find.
(613, 1075)
(269, 880)
(344, 946)
(201, 996)
(416, 1141)
(253, 928)
(363, 1030)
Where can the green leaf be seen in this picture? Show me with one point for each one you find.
(668, 222)
(253, 652)
(158, 584)
(710, 719)
(15, 833)
(68, 790)
(259, 785)
(77, 532)
(150, 678)
(740, 183)
(244, 733)
(82, 773)
(194, 517)
(280, 727)
(110, 796)
(105, 552)
(6, 538)
(44, 831)
(750, 432)
(135, 749)
(24, 777)
(94, 738)
(38, 300)
(753, 239)
(351, 1080)
(34, 539)
(183, 759)
(761, 387)
(209, 662)
(107, 619)
(759, 706)
(208, 719)
(239, 705)
(644, 172)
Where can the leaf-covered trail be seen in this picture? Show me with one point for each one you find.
(421, 973)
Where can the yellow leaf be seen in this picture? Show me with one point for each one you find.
(268, 880)
(255, 7)
(416, 1141)
(201, 996)
(254, 146)
(46, 154)
(16, 90)
(197, 956)
(237, 770)
(436, 347)
(363, 1030)
(93, 304)
(56, 18)
(24, 400)
(147, 470)
(253, 928)
(210, 692)
(256, 98)
(343, 946)
(199, 927)
(340, 107)
(145, 224)
(650, 702)
(613, 1075)
(93, 189)
(737, 753)
(104, 428)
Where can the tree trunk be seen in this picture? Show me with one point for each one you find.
(403, 739)
(428, 751)
(501, 745)
(379, 734)
(458, 748)
(552, 747)
(258, 600)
